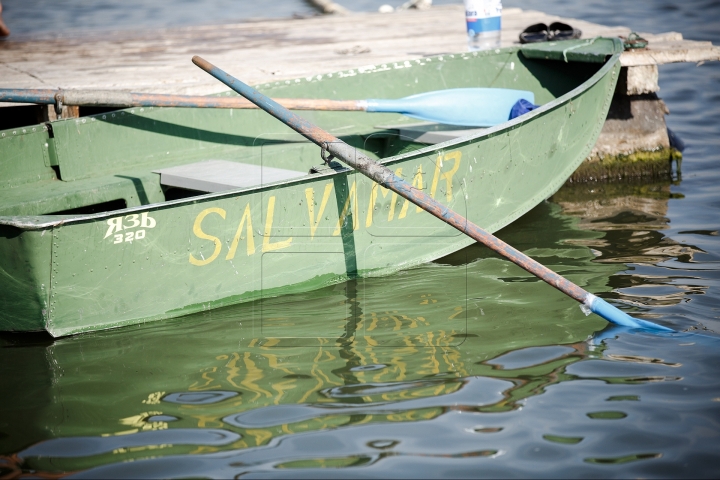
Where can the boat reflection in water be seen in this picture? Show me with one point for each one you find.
(429, 369)
(632, 218)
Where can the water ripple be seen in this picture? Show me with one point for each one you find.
(86, 446)
(475, 392)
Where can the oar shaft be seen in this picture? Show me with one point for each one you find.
(21, 95)
(386, 178)
(113, 98)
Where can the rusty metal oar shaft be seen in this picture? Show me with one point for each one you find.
(387, 179)
(114, 98)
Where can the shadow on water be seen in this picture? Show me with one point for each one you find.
(437, 370)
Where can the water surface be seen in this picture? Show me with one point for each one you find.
(466, 367)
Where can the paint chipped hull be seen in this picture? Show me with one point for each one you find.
(158, 258)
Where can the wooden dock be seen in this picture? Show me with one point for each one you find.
(158, 61)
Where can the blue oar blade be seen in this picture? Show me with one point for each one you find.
(472, 107)
(614, 315)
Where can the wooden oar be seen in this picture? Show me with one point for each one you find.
(458, 106)
(387, 179)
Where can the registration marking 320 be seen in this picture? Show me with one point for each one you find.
(129, 222)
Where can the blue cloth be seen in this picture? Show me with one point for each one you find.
(521, 107)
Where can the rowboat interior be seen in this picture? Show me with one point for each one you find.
(108, 159)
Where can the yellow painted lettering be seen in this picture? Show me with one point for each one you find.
(197, 230)
(245, 221)
(393, 199)
(269, 246)
(373, 199)
(351, 200)
(455, 156)
(310, 196)
(417, 183)
(115, 225)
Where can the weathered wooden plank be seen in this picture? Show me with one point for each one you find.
(276, 50)
(158, 61)
(674, 51)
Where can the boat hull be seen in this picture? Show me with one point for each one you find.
(78, 273)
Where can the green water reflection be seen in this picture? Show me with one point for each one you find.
(396, 350)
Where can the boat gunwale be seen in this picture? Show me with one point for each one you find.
(43, 222)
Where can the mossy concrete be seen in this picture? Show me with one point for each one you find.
(634, 141)
(651, 164)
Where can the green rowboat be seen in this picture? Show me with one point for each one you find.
(127, 216)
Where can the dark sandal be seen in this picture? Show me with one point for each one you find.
(562, 31)
(534, 33)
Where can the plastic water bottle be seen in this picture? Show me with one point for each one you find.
(483, 23)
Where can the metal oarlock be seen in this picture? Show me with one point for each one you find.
(324, 154)
(58, 104)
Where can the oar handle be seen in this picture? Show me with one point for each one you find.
(386, 178)
(114, 98)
